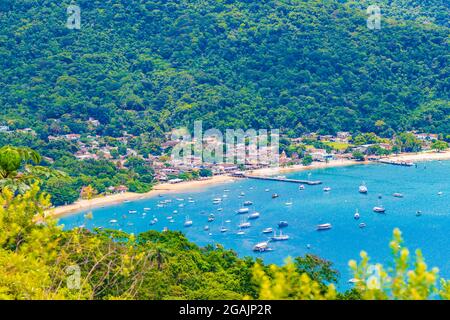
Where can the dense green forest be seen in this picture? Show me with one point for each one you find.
(148, 66)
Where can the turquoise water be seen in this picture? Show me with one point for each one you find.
(419, 185)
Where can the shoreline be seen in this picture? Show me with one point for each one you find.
(167, 188)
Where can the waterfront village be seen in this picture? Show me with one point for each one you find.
(303, 150)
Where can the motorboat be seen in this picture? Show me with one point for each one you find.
(379, 209)
(223, 229)
(418, 213)
(301, 187)
(262, 247)
(275, 195)
(267, 230)
(282, 224)
(132, 211)
(243, 210)
(327, 189)
(206, 228)
(244, 225)
(147, 209)
(248, 203)
(113, 221)
(217, 200)
(356, 216)
(397, 195)
(254, 215)
(362, 225)
(211, 218)
(325, 226)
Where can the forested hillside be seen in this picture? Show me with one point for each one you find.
(147, 66)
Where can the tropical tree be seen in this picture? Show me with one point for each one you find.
(439, 145)
(19, 169)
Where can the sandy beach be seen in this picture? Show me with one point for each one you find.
(166, 188)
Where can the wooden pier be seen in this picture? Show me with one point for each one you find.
(397, 163)
(307, 182)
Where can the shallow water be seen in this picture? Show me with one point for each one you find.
(419, 185)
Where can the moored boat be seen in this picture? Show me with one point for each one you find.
(324, 226)
(261, 247)
(254, 215)
(379, 209)
(282, 224)
(267, 230)
(243, 210)
(279, 237)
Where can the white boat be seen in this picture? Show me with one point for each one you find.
(356, 216)
(261, 247)
(180, 199)
(254, 215)
(279, 237)
(188, 222)
(169, 218)
(418, 213)
(248, 203)
(267, 190)
(132, 211)
(147, 209)
(191, 201)
(289, 203)
(397, 195)
(301, 187)
(217, 200)
(440, 193)
(223, 229)
(227, 221)
(240, 232)
(362, 225)
(243, 210)
(242, 194)
(211, 218)
(280, 177)
(325, 226)
(353, 281)
(206, 228)
(245, 225)
(267, 230)
(363, 189)
(275, 195)
(326, 189)
(226, 190)
(113, 221)
(379, 209)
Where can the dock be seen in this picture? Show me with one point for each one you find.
(397, 163)
(307, 182)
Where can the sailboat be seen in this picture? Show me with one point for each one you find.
(188, 222)
(363, 189)
(280, 237)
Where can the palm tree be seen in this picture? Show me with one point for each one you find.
(19, 169)
(159, 255)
